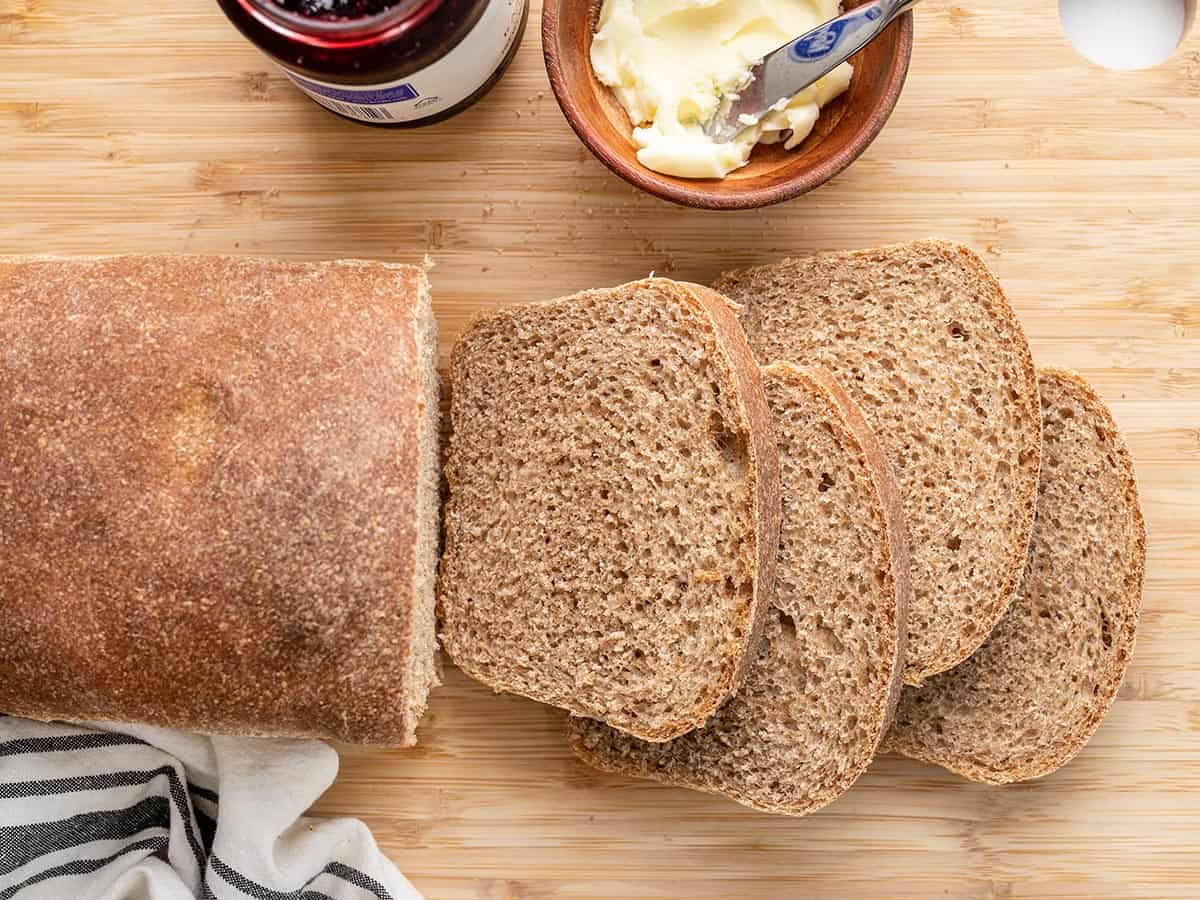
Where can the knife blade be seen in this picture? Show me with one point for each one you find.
(788, 70)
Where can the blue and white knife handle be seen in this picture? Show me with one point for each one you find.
(787, 70)
(838, 39)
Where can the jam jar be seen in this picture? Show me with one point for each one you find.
(386, 62)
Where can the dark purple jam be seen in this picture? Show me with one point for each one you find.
(336, 9)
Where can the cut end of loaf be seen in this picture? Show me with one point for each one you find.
(820, 694)
(423, 673)
(924, 341)
(610, 493)
(1033, 695)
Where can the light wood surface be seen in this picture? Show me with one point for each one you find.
(142, 125)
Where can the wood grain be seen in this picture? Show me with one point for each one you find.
(147, 126)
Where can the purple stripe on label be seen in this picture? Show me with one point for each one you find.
(397, 93)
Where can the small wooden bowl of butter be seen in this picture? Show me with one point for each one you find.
(662, 63)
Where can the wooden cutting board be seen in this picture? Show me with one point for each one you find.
(139, 125)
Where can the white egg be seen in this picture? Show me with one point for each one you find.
(1125, 34)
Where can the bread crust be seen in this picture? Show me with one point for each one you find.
(1038, 765)
(207, 493)
(735, 361)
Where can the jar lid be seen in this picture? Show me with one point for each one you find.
(341, 33)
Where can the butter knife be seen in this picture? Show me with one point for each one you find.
(787, 71)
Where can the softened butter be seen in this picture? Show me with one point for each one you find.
(670, 61)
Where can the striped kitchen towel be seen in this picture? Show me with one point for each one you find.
(137, 813)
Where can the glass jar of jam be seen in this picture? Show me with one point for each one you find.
(386, 62)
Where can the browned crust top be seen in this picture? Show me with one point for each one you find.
(207, 492)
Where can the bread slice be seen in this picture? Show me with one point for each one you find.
(1034, 694)
(614, 505)
(821, 693)
(922, 338)
(219, 494)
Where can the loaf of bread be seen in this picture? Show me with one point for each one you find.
(922, 338)
(1031, 697)
(820, 695)
(218, 494)
(614, 505)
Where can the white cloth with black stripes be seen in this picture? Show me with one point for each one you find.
(136, 813)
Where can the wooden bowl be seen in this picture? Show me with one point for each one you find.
(844, 130)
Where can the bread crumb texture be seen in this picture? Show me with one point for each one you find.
(923, 340)
(602, 525)
(1030, 698)
(218, 493)
(820, 694)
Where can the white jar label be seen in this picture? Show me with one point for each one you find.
(440, 85)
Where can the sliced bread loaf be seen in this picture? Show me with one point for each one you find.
(924, 341)
(822, 690)
(1032, 696)
(614, 505)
